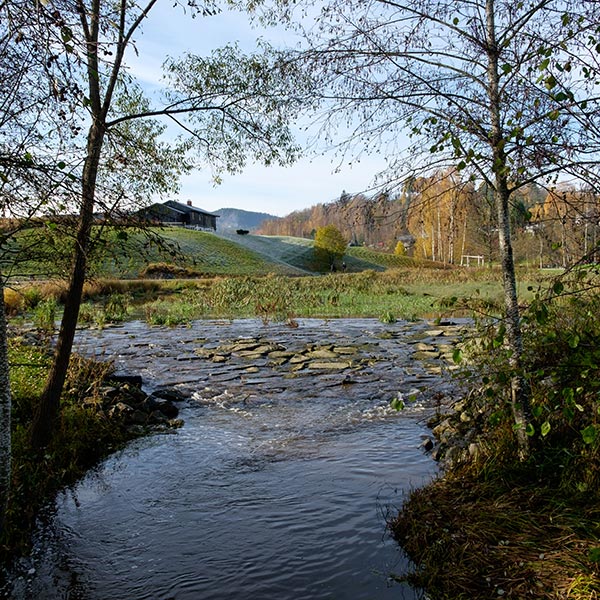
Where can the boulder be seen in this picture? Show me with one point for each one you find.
(170, 394)
(120, 410)
(166, 407)
(137, 417)
(157, 417)
(109, 392)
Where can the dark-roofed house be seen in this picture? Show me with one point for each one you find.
(177, 213)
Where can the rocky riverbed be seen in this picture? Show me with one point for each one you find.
(244, 362)
(275, 484)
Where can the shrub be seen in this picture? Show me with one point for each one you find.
(400, 249)
(13, 301)
(44, 315)
(163, 312)
(561, 365)
(116, 307)
(167, 271)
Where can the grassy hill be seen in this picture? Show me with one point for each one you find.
(298, 253)
(189, 253)
(200, 252)
(232, 254)
(219, 253)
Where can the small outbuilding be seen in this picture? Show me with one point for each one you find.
(177, 213)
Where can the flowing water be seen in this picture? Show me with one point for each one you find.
(277, 486)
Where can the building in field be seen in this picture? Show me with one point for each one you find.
(179, 214)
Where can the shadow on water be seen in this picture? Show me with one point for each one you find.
(276, 487)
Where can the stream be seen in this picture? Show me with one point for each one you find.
(280, 480)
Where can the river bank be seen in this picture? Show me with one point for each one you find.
(493, 525)
(101, 413)
(477, 539)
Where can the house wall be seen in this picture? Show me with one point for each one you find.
(168, 214)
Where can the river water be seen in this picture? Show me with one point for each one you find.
(278, 484)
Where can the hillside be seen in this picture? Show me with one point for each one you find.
(231, 219)
(297, 253)
(204, 254)
(201, 252)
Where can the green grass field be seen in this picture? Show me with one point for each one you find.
(194, 274)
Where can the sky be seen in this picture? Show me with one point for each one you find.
(274, 190)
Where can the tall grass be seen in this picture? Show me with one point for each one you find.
(392, 294)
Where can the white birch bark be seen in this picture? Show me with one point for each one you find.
(5, 413)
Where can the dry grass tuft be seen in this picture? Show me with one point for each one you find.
(477, 540)
(13, 301)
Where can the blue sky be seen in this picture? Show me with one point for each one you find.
(279, 191)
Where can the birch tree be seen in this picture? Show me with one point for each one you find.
(5, 415)
(502, 91)
(31, 172)
(228, 106)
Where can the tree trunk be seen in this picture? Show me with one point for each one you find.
(464, 238)
(519, 395)
(452, 228)
(5, 414)
(47, 412)
(440, 244)
(519, 391)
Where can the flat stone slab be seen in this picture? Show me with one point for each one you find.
(250, 355)
(322, 354)
(423, 347)
(423, 355)
(330, 366)
(435, 332)
(277, 354)
(299, 358)
(345, 349)
(242, 346)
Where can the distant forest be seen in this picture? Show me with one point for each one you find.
(446, 219)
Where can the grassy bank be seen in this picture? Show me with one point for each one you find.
(493, 526)
(407, 293)
(513, 536)
(84, 436)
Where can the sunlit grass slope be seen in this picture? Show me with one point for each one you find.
(201, 252)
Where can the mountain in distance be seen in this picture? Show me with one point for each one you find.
(232, 219)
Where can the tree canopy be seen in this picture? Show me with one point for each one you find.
(330, 245)
(502, 92)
